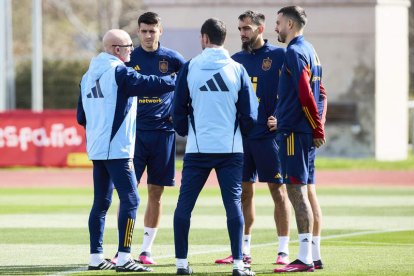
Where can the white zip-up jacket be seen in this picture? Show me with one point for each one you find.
(214, 103)
(107, 106)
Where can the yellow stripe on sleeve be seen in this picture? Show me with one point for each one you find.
(312, 122)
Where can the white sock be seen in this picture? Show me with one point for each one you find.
(123, 257)
(148, 239)
(181, 263)
(305, 248)
(246, 244)
(283, 244)
(96, 259)
(238, 264)
(316, 248)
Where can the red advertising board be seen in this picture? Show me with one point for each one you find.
(45, 138)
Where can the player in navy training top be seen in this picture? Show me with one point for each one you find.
(155, 139)
(262, 62)
(300, 118)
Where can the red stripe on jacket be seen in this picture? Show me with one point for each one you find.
(308, 103)
(322, 93)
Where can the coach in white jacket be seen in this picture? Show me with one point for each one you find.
(214, 103)
(107, 108)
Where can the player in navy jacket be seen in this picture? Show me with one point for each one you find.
(155, 139)
(300, 115)
(260, 158)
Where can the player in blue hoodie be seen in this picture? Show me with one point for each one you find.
(263, 62)
(214, 103)
(107, 109)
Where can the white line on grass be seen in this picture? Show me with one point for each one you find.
(224, 249)
(375, 243)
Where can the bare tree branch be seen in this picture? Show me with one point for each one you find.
(103, 16)
(90, 37)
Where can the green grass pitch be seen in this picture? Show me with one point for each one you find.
(367, 231)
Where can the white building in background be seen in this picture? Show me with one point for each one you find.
(363, 46)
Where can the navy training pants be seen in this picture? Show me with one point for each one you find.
(197, 167)
(107, 174)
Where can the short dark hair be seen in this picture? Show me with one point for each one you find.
(149, 18)
(296, 13)
(215, 30)
(256, 17)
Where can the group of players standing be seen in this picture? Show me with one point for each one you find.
(287, 84)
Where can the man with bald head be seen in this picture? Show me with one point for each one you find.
(107, 109)
(118, 43)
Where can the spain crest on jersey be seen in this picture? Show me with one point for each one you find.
(266, 64)
(163, 66)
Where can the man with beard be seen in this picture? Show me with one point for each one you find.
(262, 62)
(300, 115)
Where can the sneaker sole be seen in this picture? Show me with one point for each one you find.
(309, 270)
(97, 268)
(129, 270)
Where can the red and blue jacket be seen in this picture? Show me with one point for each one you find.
(302, 100)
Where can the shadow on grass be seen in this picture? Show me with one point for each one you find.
(81, 269)
(40, 269)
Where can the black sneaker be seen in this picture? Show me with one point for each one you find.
(184, 271)
(105, 265)
(132, 266)
(243, 272)
(318, 264)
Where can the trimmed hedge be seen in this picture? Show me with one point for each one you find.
(60, 83)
